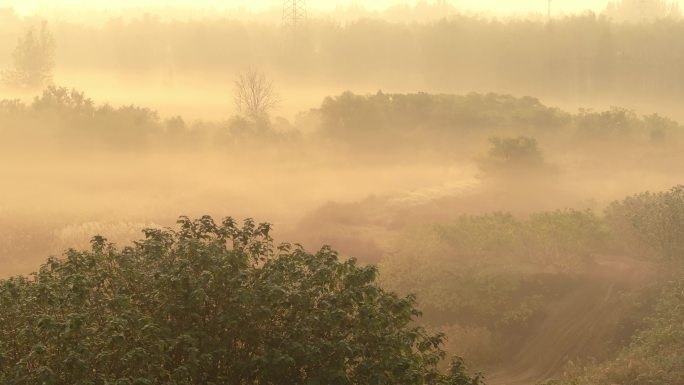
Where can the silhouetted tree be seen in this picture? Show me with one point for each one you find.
(254, 94)
(34, 60)
(643, 10)
(513, 155)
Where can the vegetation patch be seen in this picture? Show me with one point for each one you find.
(212, 304)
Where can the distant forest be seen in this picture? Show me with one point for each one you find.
(360, 123)
(579, 55)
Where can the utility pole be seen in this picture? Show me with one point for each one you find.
(294, 14)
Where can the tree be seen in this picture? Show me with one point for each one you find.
(34, 60)
(212, 303)
(254, 94)
(512, 156)
(650, 224)
(643, 10)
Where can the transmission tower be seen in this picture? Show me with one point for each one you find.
(294, 13)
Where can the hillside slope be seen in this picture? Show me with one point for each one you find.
(581, 326)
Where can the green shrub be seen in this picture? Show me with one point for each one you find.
(489, 270)
(513, 155)
(649, 224)
(211, 304)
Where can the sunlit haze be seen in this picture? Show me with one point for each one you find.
(496, 6)
(311, 192)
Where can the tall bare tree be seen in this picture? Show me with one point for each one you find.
(254, 94)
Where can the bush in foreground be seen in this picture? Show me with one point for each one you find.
(212, 304)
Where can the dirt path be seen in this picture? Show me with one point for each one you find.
(579, 326)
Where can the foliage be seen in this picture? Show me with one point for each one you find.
(564, 238)
(241, 129)
(64, 100)
(656, 354)
(458, 374)
(583, 56)
(614, 124)
(392, 122)
(350, 115)
(212, 304)
(511, 123)
(69, 118)
(34, 60)
(72, 119)
(650, 224)
(492, 270)
(513, 156)
(486, 280)
(620, 125)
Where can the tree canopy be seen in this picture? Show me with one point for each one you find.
(212, 303)
(34, 59)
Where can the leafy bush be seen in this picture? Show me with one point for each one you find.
(212, 304)
(511, 156)
(564, 239)
(486, 279)
(650, 224)
(490, 270)
(613, 124)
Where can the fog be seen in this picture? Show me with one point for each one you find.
(513, 169)
(490, 6)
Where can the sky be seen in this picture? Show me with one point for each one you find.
(497, 6)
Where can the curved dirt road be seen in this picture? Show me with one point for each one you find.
(579, 326)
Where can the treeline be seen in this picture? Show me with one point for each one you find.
(580, 55)
(66, 118)
(365, 116)
(362, 122)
